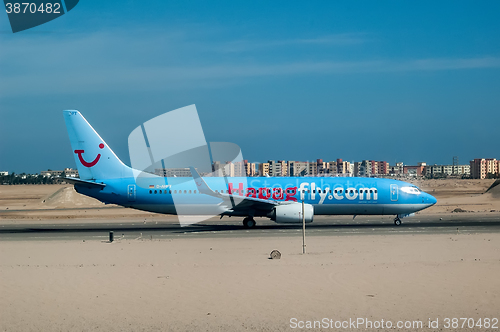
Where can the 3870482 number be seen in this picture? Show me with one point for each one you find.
(471, 323)
(26, 7)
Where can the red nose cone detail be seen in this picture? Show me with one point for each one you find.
(101, 146)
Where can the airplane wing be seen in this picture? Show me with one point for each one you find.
(235, 202)
(83, 183)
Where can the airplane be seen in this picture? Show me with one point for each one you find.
(102, 175)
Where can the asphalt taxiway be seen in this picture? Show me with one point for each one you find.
(84, 229)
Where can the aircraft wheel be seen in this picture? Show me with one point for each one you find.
(248, 222)
(251, 223)
(397, 222)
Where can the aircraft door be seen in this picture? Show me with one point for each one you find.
(394, 192)
(131, 192)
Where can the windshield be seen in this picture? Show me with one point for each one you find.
(411, 190)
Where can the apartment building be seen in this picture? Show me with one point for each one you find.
(446, 170)
(278, 168)
(297, 168)
(69, 172)
(173, 172)
(264, 169)
(249, 168)
(480, 168)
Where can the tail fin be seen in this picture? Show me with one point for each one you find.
(94, 159)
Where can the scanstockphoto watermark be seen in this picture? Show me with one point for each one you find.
(353, 323)
(365, 323)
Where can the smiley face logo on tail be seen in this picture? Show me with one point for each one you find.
(92, 163)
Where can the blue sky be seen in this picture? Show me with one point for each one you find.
(394, 81)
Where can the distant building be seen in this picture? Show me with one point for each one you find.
(173, 172)
(240, 169)
(249, 168)
(396, 169)
(446, 170)
(4, 173)
(277, 168)
(362, 168)
(340, 168)
(67, 172)
(312, 169)
(229, 169)
(383, 167)
(217, 169)
(418, 170)
(321, 167)
(264, 169)
(297, 168)
(480, 168)
(235, 169)
(284, 167)
(367, 168)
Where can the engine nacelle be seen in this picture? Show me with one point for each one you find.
(292, 213)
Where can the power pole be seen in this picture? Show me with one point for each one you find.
(303, 230)
(455, 165)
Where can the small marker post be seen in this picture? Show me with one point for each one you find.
(303, 230)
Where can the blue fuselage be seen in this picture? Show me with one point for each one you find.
(328, 195)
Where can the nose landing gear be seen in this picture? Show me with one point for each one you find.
(248, 222)
(397, 221)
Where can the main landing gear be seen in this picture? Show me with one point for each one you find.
(397, 221)
(248, 222)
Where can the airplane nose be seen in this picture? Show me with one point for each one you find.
(431, 200)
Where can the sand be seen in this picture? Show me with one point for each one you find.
(230, 284)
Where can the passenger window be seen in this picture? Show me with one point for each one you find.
(185, 191)
(160, 191)
(190, 191)
(150, 191)
(155, 191)
(371, 191)
(175, 191)
(195, 191)
(170, 191)
(375, 191)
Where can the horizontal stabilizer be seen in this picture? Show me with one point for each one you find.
(83, 183)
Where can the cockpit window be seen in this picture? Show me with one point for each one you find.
(411, 190)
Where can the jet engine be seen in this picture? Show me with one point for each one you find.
(292, 213)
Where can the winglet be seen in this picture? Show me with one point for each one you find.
(200, 183)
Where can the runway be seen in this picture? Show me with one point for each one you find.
(168, 228)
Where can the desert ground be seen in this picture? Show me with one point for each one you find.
(230, 284)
